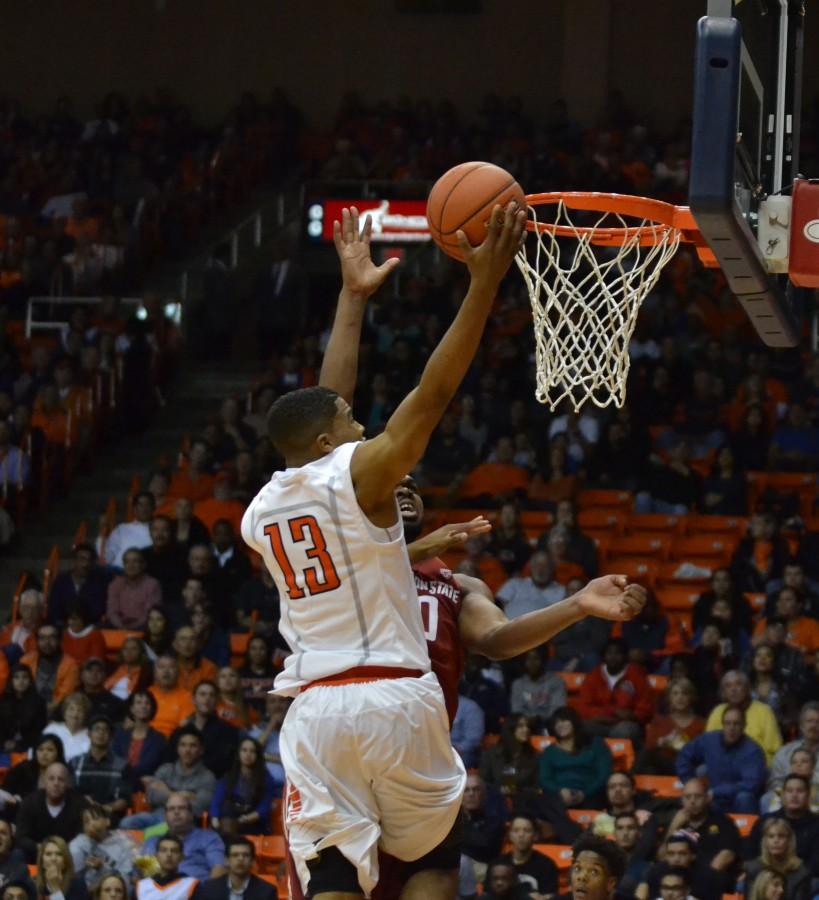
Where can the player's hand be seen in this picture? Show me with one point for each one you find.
(447, 537)
(612, 597)
(490, 261)
(358, 271)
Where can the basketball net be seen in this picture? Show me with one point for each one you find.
(585, 299)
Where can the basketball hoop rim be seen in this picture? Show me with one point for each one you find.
(665, 218)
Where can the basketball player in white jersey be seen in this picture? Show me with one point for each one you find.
(473, 621)
(365, 744)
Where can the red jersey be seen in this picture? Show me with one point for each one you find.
(440, 599)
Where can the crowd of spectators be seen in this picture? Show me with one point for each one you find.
(91, 208)
(126, 756)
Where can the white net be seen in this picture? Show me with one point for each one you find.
(585, 299)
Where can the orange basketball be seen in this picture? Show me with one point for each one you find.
(463, 198)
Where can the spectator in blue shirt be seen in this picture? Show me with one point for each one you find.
(204, 851)
(468, 731)
(734, 764)
(488, 694)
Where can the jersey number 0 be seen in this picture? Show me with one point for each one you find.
(318, 579)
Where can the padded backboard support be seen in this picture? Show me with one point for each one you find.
(712, 188)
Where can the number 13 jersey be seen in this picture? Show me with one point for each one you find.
(346, 588)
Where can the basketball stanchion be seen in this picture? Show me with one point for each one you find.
(586, 283)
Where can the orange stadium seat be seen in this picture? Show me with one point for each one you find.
(658, 682)
(677, 597)
(561, 856)
(704, 524)
(744, 822)
(644, 571)
(606, 519)
(602, 540)
(583, 817)
(678, 572)
(114, 639)
(622, 752)
(535, 518)
(573, 680)
(540, 741)
(654, 545)
(654, 522)
(757, 601)
(271, 850)
(706, 546)
(661, 785)
(597, 498)
(238, 647)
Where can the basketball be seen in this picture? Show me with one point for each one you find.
(463, 198)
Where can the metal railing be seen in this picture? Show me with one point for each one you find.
(55, 304)
(242, 240)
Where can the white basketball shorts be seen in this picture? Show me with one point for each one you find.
(368, 765)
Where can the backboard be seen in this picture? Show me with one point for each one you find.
(747, 99)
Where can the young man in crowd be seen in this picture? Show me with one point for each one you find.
(169, 883)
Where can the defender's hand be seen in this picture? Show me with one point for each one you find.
(358, 271)
(447, 537)
(612, 597)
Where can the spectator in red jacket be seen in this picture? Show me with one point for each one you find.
(616, 699)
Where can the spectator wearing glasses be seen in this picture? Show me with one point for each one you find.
(203, 850)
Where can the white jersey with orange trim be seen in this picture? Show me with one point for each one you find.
(181, 888)
(347, 591)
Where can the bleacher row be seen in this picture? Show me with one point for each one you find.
(675, 555)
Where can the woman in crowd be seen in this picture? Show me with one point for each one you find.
(724, 614)
(112, 887)
(158, 636)
(575, 767)
(802, 762)
(22, 711)
(55, 878)
(134, 672)
(141, 746)
(778, 854)
(723, 588)
(267, 735)
(231, 705)
(213, 641)
(512, 763)
(764, 685)
(189, 530)
(752, 441)
(243, 799)
(73, 730)
(508, 540)
(29, 775)
(725, 490)
(257, 673)
(768, 885)
(668, 733)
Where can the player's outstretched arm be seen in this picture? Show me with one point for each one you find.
(378, 465)
(448, 537)
(485, 629)
(361, 278)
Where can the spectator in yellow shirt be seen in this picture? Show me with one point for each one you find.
(760, 722)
